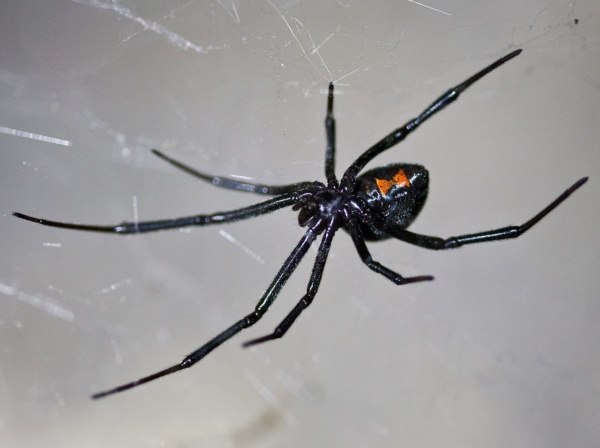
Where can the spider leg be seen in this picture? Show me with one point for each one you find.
(365, 255)
(400, 134)
(261, 308)
(503, 233)
(232, 184)
(311, 290)
(330, 150)
(251, 211)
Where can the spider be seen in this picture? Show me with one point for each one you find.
(378, 204)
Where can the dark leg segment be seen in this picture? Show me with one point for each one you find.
(261, 308)
(330, 150)
(231, 184)
(188, 361)
(311, 291)
(199, 220)
(400, 134)
(365, 255)
(503, 233)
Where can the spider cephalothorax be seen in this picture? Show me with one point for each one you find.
(323, 204)
(378, 204)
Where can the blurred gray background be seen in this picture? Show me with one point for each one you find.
(501, 350)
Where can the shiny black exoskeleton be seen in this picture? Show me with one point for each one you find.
(378, 204)
(397, 192)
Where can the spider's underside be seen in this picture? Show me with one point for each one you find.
(378, 204)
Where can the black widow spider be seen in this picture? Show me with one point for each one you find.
(376, 205)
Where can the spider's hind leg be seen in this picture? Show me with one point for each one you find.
(365, 255)
(503, 233)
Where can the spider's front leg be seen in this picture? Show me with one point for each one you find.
(311, 290)
(261, 308)
(401, 133)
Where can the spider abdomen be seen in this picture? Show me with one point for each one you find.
(396, 192)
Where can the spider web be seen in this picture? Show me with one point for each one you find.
(88, 87)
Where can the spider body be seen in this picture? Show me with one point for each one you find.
(381, 203)
(396, 192)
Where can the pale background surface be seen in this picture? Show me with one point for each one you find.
(501, 350)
